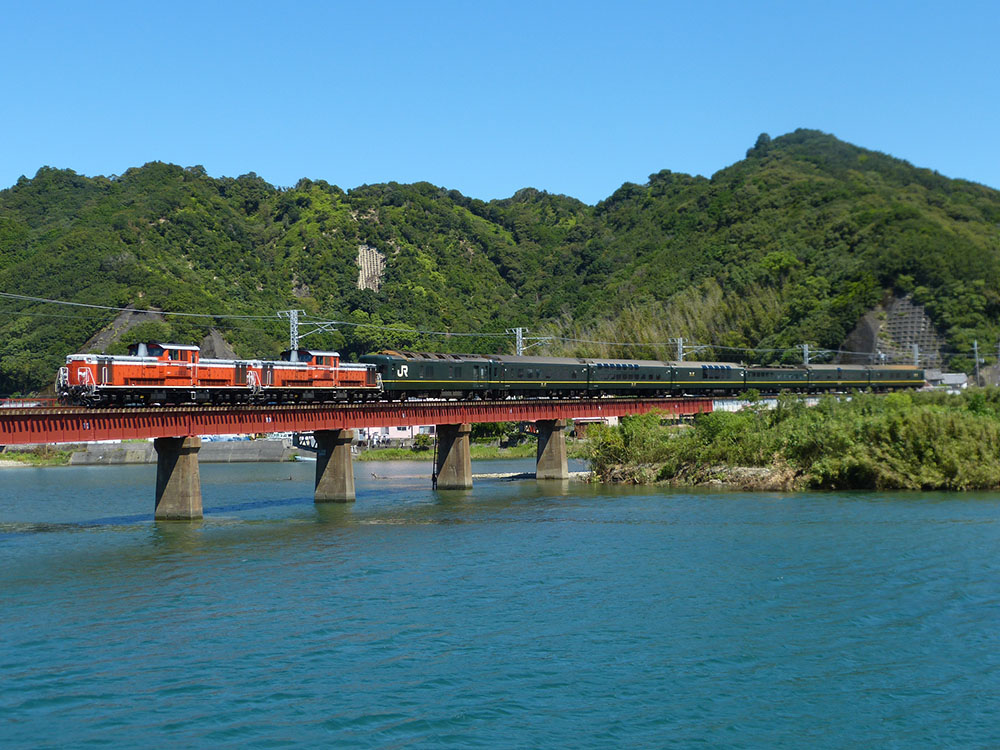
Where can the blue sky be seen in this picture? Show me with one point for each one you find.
(572, 98)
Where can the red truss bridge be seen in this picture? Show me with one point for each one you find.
(176, 431)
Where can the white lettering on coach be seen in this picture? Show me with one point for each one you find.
(403, 371)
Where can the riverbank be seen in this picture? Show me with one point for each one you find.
(918, 441)
(238, 451)
(478, 451)
(142, 452)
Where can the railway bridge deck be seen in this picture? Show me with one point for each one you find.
(177, 431)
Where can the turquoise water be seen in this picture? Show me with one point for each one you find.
(515, 615)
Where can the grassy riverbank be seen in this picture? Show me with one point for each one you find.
(528, 449)
(899, 441)
(45, 455)
(49, 456)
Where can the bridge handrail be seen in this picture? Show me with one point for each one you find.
(27, 402)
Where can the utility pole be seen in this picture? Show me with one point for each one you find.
(916, 355)
(975, 353)
(518, 339)
(680, 350)
(805, 354)
(293, 327)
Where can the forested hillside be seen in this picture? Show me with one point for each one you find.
(791, 245)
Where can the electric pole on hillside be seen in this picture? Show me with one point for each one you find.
(916, 355)
(808, 354)
(518, 339)
(975, 353)
(293, 326)
(680, 350)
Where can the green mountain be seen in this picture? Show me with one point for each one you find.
(793, 244)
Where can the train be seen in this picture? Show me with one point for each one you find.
(157, 373)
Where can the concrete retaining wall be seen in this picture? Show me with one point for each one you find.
(242, 451)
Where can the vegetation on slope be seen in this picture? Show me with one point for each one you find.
(899, 441)
(791, 245)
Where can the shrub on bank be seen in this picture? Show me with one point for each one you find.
(897, 441)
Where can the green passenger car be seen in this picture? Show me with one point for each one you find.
(837, 377)
(894, 377)
(621, 377)
(540, 376)
(776, 379)
(424, 375)
(707, 377)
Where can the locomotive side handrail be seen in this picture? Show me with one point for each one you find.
(253, 382)
(87, 381)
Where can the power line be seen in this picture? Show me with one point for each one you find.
(325, 326)
(26, 298)
(394, 328)
(206, 325)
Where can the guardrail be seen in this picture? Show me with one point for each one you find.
(27, 403)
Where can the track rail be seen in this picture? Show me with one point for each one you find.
(75, 424)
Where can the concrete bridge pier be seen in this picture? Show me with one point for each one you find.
(178, 481)
(334, 471)
(453, 467)
(551, 460)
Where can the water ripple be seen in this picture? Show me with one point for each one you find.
(506, 617)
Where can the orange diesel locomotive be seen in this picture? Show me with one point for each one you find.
(175, 373)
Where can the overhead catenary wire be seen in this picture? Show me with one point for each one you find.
(205, 325)
(26, 298)
(397, 328)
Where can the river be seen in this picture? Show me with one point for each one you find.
(515, 615)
